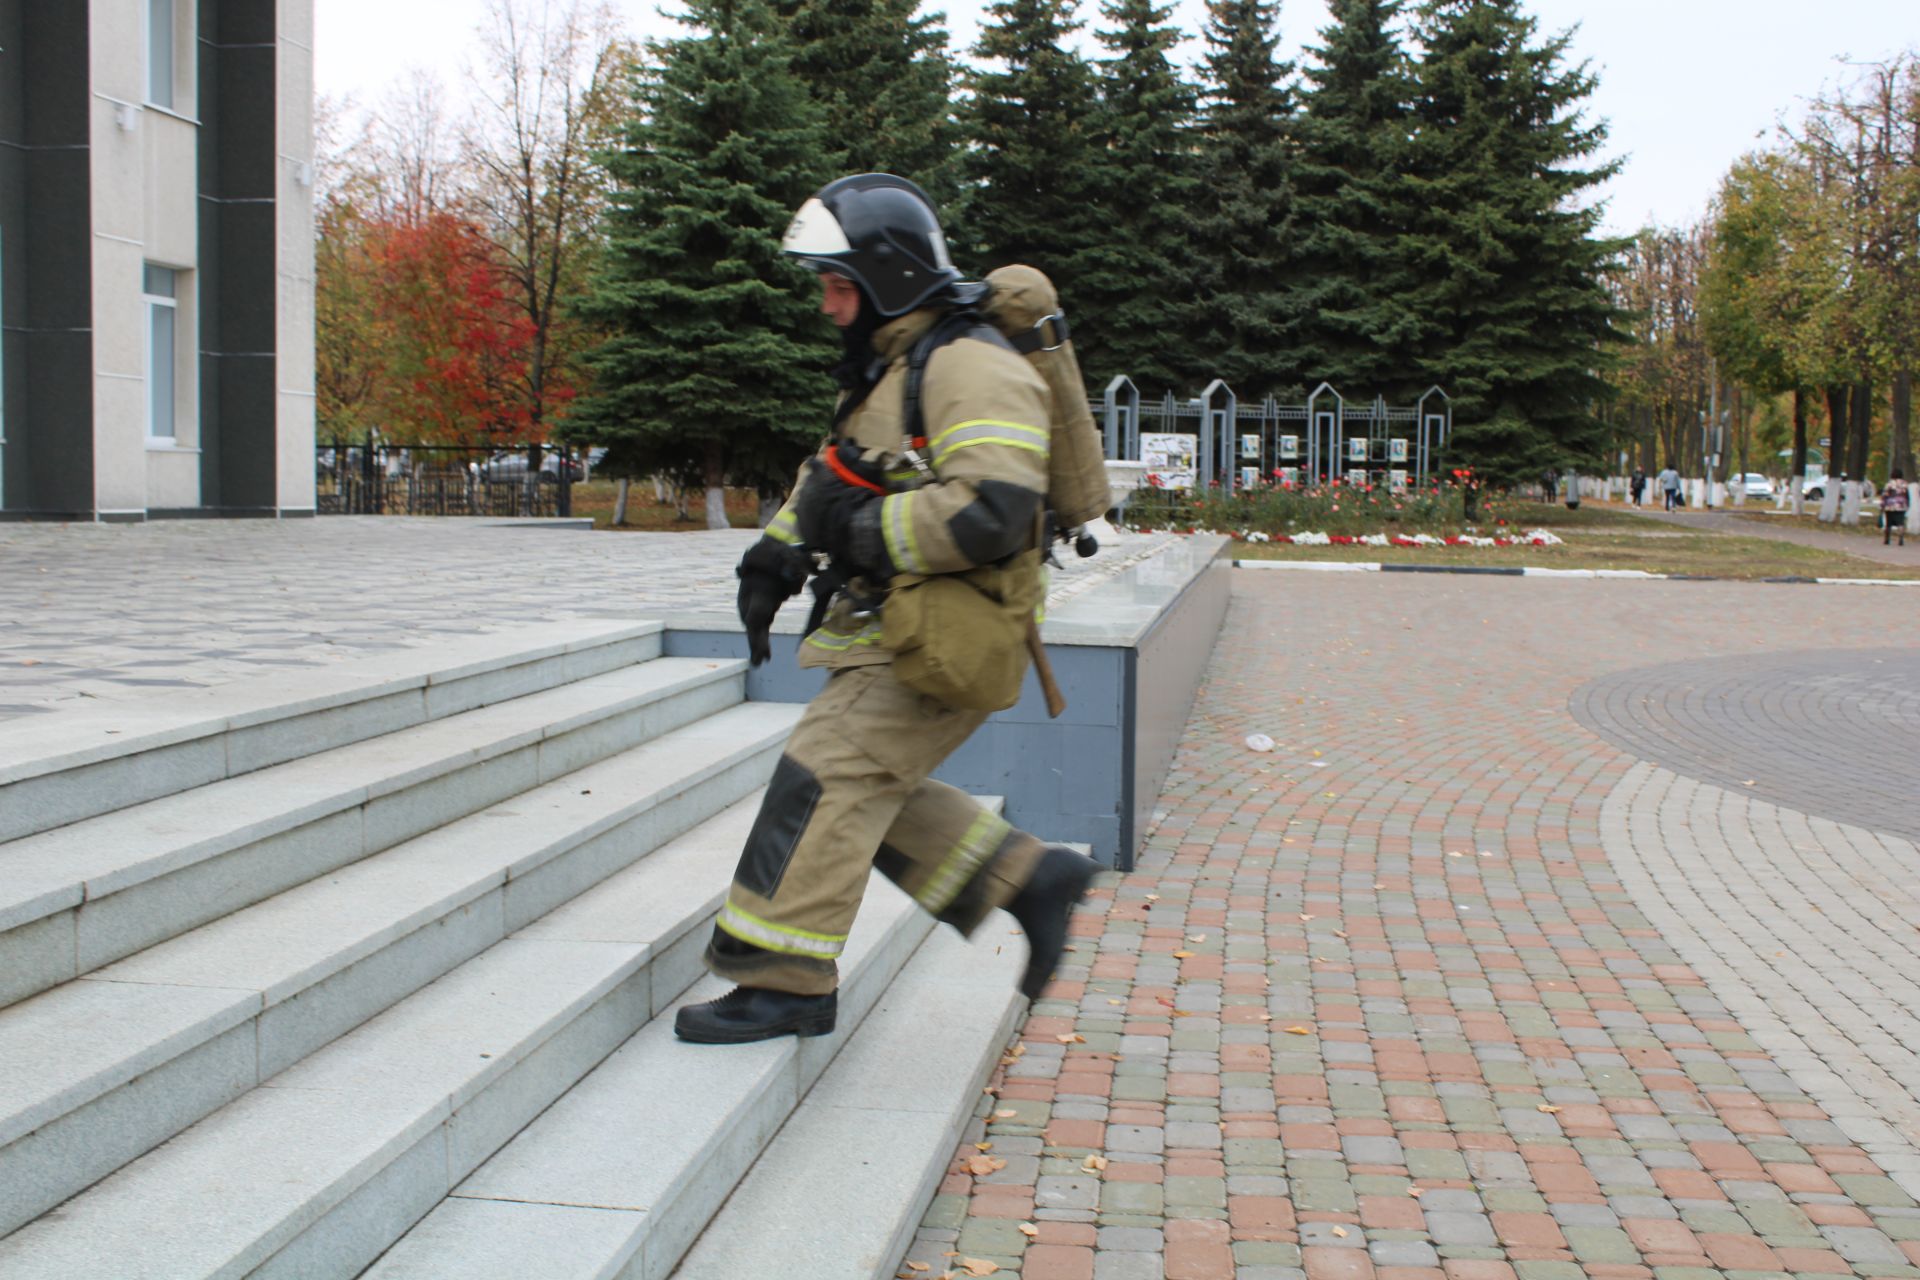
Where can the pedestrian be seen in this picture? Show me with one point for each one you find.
(1670, 486)
(1639, 484)
(1550, 484)
(1894, 500)
(960, 505)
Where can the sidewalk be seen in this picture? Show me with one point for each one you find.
(1449, 985)
(1729, 520)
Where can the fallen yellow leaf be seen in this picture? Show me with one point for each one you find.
(1196, 937)
(1182, 955)
(1341, 1232)
(1116, 1002)
(981, 1166)
(1416, 1191)
(1547, 1107)
(1066, 1038)
(978, 1266)
(983, 1146)
(1005, 1115)
(1095, 1164)
(918, 1266)
(1299, 1031)
(1028, 1230)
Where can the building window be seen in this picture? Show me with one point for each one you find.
(160, 53)
(162, 359)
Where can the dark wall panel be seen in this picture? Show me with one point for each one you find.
(46, 304)
(238, 281)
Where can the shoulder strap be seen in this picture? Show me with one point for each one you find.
(950, 328)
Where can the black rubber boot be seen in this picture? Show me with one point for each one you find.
(1042, 908)
(746, 1014)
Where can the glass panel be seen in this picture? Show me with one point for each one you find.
(160, 369)
(160, 53)
(159, 281)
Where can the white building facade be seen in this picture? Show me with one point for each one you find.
(156, 259)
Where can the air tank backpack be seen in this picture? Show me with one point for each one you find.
(964, 637)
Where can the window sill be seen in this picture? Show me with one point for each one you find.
(168, 446)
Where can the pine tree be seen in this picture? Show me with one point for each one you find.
(1138, 279)
(1354, 204)
(1032, 174)
(885, 80)
(1246, 164)
(716, 365)
(1504, 256)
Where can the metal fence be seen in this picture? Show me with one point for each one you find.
(1240, 445)
(445, 480)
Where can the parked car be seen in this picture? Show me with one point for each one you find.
(1753, 484)
(511, 464)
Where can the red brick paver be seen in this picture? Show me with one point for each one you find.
(1376, 1003)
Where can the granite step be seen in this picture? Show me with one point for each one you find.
(86, 894)
(839, 1194)
(79, 764)
(620, 1176)
(315, 1173)
(106, 1067)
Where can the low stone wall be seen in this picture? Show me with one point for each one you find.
(1128, 651)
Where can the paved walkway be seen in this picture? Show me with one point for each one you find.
(1452, 985)
(1568, 932)
(1755, 525)
(126, 611)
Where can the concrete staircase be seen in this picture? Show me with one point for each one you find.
(372, 972)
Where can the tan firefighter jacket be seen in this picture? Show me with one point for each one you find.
(984, 415)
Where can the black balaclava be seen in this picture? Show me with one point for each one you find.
(860, 366)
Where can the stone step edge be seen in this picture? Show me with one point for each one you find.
(547, 1205)
(900, 1096)
(187, 850)
(242, 1014)
(345, 1210)
(55, 770)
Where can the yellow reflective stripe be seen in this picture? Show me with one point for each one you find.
(903, 548)
(971, 423)
(836, 641)
(964, 435)
(784, 528)
(963, 861)
(775, 937)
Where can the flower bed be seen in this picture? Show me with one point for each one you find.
(1531, 538)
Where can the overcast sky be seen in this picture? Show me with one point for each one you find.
(1686, 85)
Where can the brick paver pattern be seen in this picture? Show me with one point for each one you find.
(1384, 1002)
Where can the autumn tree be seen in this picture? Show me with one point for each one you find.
(545, 95)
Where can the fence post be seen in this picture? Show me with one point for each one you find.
(563, 501)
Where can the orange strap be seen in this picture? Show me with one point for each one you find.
(846, 473)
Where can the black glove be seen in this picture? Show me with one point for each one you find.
(771, 573)
(838, 511)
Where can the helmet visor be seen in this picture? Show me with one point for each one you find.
(815, 232)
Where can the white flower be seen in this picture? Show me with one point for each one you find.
(1312, 540)
(1541, 538)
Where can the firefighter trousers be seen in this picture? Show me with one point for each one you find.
(850, 793)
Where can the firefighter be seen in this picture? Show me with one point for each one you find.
(851, 790)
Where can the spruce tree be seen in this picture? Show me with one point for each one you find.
(885, 80)
(1505, 257)
(1138, 279)
(1354, 203)
(716, 363)
(1242, 241)
(1031, 169)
